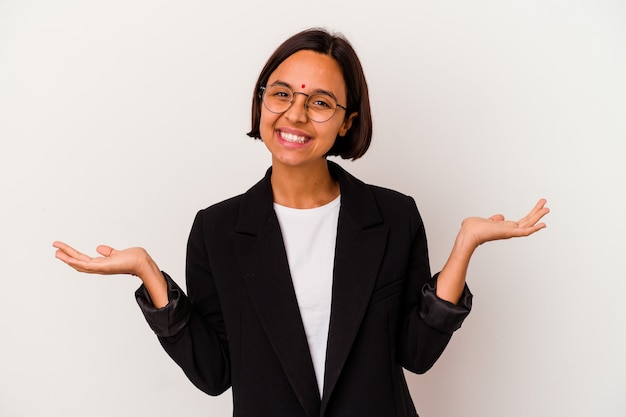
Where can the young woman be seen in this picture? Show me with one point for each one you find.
(310, 292)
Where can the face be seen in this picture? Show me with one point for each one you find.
(291, 137)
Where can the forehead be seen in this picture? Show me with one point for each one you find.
(312, 69)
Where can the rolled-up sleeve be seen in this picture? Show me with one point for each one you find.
(440, 314)
(169, 320)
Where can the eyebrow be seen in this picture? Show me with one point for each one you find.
(316, 91)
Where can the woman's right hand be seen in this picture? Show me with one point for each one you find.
(133, 261)
(127, 261)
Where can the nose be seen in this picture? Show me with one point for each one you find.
(297, 112)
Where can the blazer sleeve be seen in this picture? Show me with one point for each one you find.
(191, 328)
(427, 322)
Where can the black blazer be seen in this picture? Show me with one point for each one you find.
(240, 325)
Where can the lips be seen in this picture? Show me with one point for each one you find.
(291, 138)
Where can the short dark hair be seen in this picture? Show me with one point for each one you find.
(357, 140)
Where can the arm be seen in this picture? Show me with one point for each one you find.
(193, 335)
(435, 309)
(427, 322)
(476, 231)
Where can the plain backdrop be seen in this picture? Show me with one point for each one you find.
(119, 119)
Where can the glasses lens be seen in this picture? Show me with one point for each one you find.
(277, 98)
(321, 107)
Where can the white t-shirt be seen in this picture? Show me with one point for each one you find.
(310, 236)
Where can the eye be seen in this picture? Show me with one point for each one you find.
(322, 102)
(279, 93)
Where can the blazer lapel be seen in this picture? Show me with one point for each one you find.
(361, 242)
(261, 254)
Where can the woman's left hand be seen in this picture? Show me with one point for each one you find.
(480, 230)
(476, 231)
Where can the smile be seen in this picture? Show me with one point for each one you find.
(289, 137)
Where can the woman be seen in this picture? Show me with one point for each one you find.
(309, 293)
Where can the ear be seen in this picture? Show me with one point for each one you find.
(347, 124)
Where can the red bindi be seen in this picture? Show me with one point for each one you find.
(303, 85)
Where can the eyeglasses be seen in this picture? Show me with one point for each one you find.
(319, 107)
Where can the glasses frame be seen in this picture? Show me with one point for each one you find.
(306, 103)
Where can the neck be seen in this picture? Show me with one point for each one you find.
(303, 187)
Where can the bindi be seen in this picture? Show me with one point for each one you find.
(303, 85)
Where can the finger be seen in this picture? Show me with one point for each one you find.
(537, 212)
(70, 251)
(497, 218)
(527, 231)
(59, 245)
(541, 203)
(537, 215)
(77, 264)
(59, 254)
(540, 206)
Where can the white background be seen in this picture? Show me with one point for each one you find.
(119, 119)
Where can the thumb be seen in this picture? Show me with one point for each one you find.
(105, 250)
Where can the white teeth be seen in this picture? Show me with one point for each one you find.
(292, 138)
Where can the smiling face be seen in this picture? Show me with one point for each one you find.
(291, 137)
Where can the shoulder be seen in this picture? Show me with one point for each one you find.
(384, 194)
(369, 204)
(217, 218)
(396, 208)
(244, 210)
(229, 205)
(385, 198)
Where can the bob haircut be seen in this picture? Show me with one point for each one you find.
(357, 140)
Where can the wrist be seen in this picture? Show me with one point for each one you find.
(465, 243)
(146, 268)
(152, 278)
